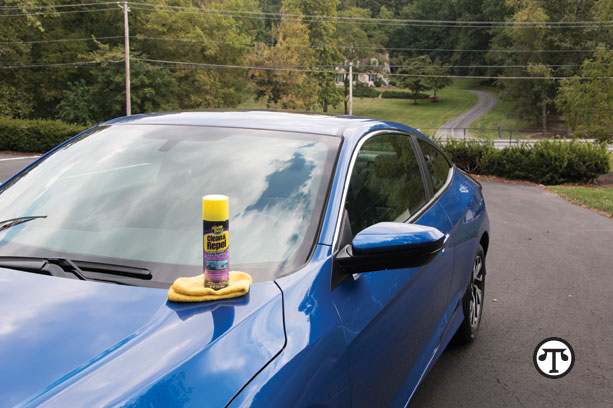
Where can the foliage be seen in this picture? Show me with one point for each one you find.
(587, 101)
(467, 155)
(438, 80)
(324, 45)
(205, 38)
(361, 90)
(403, 95)
(104, 97)
(358, 42)
(213, 48)
(287, 89)
(541, 54)
(35, 136)
(545, 162)
(414, 66)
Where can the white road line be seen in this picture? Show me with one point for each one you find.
(20, 158)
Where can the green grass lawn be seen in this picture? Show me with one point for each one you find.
(426, 115)
(598, 198)
(499, 115)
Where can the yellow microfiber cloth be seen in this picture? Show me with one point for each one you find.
(193, 290)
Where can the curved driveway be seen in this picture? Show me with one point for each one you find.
(550, 269)
(454, 128)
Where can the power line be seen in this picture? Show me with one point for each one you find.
(369, 19)
(310, 70)
(314, 17)
(44, 6)
(140, 37)
(59, 64)
(372, 21)
(62, 40)
(323, 17)
(42, 13)
(195, 65)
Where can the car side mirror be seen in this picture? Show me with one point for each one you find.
(387, 245)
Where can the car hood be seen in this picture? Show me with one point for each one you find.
(65, 342)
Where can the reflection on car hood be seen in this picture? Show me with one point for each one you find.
(65, 342)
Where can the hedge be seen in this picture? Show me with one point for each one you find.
(403, 95)
(363, 91)
(35, 136)
(545, 162)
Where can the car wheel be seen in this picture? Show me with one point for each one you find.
(473, 300)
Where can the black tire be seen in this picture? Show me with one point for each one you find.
(473, 301)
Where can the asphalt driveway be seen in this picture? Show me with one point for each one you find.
(550, 269)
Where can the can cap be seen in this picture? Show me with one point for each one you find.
(215, 207)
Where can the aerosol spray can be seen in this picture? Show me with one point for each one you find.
(215, 214)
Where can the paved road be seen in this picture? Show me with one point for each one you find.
(11, 164)
(550, 267)
(454, 127)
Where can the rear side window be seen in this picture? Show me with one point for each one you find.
(436, 163)
(385, 184)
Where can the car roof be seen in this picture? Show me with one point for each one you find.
(266, 120)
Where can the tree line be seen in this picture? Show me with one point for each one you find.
(67, 62)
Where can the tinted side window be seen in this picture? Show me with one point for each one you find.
(385, 184)
(437, 164)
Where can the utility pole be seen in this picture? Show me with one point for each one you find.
(127, 56)
(350, 88)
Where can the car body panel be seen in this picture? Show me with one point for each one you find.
(312, 370)
(93, 344)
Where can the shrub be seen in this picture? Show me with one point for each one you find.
(545, 162)
(403, 95)
(467, 155)
(364, 91)
(36, 136)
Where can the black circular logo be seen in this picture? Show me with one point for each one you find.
(554, 357)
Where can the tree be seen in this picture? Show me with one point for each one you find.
(285, 88)
(325, 50)
(544, 86)
(587, 101)
(104, 96)
(204, 38)
(438, 80)
(532, 97)
(526, 95)
(15, 97)
(413, 68)
(358, 42)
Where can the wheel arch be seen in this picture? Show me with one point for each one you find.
(485, 241)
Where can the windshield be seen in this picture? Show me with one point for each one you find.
(132, 194)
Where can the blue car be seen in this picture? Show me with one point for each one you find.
(366, 246)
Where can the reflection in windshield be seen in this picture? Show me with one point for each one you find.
(134, 192)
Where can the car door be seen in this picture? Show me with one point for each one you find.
(393, 319)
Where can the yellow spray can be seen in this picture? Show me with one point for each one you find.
(215, 223)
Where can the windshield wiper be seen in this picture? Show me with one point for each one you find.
(11, 222)
(48, 266)
(83, 270)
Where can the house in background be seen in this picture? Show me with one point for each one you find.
(367, 71)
